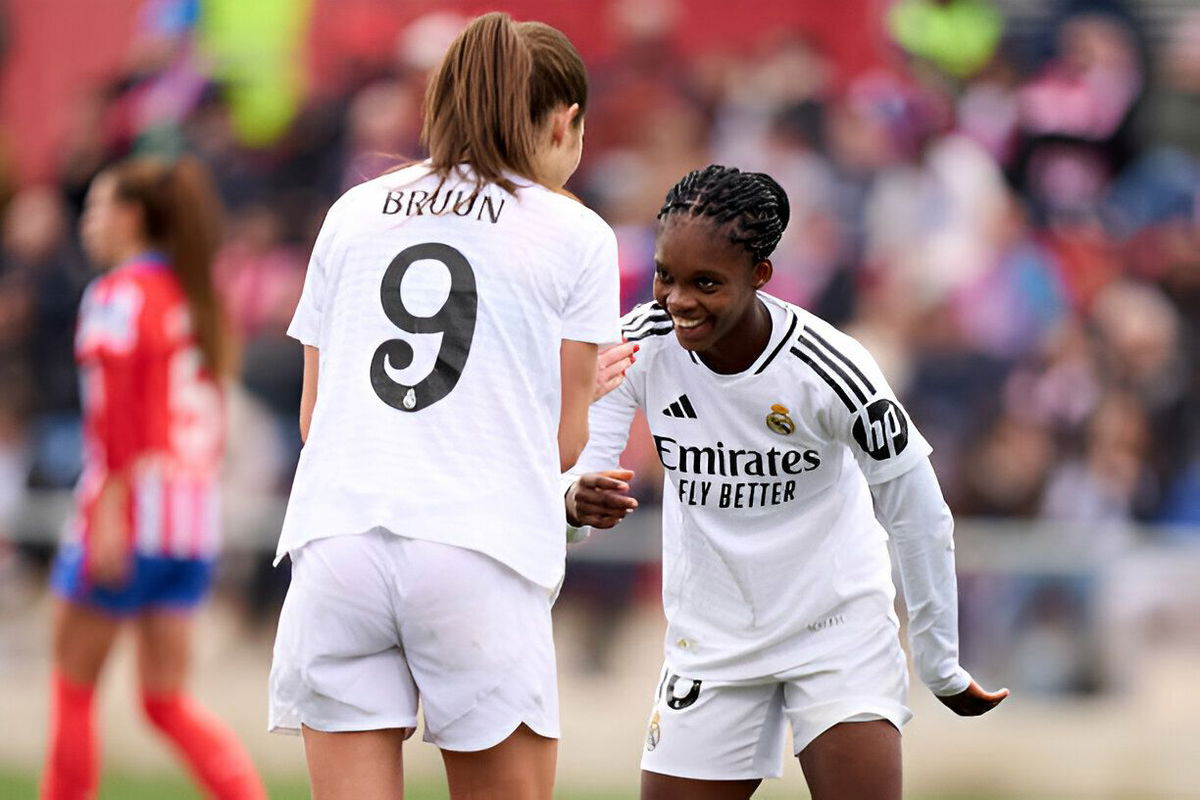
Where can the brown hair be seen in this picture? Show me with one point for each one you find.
(494, 87)
(181, 213)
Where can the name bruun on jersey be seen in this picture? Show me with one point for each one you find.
(417, 203)
(775, 467)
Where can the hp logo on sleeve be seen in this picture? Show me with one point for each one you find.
(881, 430)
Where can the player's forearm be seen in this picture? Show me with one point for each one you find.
(912, 510)
(308, 393)
(608, 433)
(107, 524)
(578, 370)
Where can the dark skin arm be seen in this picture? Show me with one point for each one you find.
(973, 701)
(600, 499)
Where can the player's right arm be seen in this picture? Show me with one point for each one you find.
(578, 365)
(306, 323)
(308, 394)
(110, 344)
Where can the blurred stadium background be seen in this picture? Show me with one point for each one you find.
(999, 197)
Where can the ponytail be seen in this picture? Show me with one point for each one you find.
(182, 214)
(492, 91)
(192, 241)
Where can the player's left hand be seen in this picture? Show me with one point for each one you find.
(973, 701)
(611, 364)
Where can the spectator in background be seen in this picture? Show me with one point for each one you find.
(1074, 115)
(958, 37)
(38, 256)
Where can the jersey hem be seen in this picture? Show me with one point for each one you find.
(546, 581)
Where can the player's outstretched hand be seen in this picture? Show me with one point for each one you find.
(611, 364)
(973, 701)
(600, 499)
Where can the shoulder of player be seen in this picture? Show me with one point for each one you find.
(370, 190)
(568, 209)
(126, 285)
(649, 324)
(836, 359)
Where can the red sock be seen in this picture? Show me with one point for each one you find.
(211, 750)
(71, 764)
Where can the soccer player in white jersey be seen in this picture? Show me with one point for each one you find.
(450, 316)
(784, 450)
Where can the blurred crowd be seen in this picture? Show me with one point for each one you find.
(1009, 223)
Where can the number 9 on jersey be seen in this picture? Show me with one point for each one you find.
(455, 320)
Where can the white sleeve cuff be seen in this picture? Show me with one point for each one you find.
(955, 684)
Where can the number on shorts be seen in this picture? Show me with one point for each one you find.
(678, 703)
(455, 321)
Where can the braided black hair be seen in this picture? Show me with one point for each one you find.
(752, 204)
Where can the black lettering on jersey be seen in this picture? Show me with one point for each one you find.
(393, 202)
(489, 205)
(421, 202)
(881, 430)
(719, 460)
(416, 199)
(709, 456)
(680, 703)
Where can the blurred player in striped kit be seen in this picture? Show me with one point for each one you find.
(139, 552)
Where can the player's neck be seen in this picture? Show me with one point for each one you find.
(130, 251)
(742, 346)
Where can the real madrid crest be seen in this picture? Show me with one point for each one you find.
(654, 734)
(779, 421)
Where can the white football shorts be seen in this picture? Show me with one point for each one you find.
(735, 730)
(375, 623)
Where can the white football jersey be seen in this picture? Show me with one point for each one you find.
(439, 314)
(772, 555)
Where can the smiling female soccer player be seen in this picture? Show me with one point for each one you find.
(784, 450)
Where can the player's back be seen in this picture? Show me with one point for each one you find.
(439, 311)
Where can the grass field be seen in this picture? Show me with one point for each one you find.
(23, 786)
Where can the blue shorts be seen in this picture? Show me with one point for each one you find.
(155, 582)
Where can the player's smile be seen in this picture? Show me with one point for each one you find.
(704, 282)
(691, 332)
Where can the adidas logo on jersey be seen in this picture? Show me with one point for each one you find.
(680, 409)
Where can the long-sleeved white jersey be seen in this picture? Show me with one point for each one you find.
(772, 553)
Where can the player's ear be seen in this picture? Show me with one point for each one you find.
(762, 273)
(562, 120)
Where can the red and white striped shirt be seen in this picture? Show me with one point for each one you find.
(152, 412)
